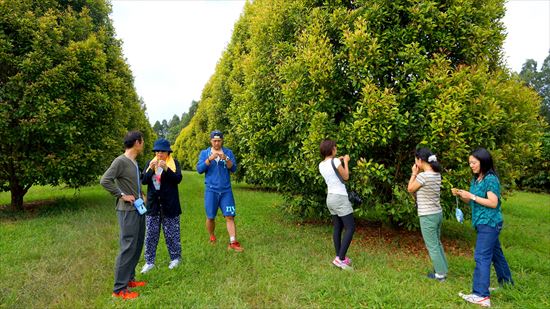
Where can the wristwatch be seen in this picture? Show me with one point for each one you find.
(474, 198)
(122, 194)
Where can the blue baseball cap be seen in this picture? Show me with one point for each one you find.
(216, 134)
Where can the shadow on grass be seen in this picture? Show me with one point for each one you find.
(48, 208)
(30, 210)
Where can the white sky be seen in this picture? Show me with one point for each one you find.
(172, 47)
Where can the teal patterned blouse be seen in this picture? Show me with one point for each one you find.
(480, 213)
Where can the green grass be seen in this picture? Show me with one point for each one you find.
(62, 256)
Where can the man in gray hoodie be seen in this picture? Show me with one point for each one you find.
(122, 180)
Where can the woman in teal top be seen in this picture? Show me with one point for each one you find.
(484, 199)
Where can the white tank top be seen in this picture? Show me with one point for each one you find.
(335, 186)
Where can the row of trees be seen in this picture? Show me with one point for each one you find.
(171, 129)
(66, 94)
(380, 77)
(537, 176)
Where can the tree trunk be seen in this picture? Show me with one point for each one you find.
(17, 194)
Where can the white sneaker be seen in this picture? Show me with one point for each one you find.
(478, 300)
(174, 264)
(340, 264)
(147, 267)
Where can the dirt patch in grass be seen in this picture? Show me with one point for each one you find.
(400, 241)
(404, 241)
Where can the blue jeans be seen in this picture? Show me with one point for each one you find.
(488, 251)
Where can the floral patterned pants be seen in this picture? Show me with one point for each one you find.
(171, 229)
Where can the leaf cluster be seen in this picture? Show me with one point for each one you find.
(379, 77)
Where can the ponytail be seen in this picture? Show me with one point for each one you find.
(426, 155)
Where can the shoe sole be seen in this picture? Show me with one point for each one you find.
(122, 297)
(233, 249)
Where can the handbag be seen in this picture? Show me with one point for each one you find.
(353, 196)
(139, 204)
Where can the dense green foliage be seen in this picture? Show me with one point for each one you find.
(540, 81)
(286, 264)
(380, 77)
(66, 94)
(537, 175)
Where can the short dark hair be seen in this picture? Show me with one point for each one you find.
(326, 147)
(486, 164)
(424, 155)
(131, 138)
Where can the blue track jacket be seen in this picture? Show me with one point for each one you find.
(217, 175)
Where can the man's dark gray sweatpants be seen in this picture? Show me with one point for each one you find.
(132, 235)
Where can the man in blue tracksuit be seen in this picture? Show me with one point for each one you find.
(217, 162)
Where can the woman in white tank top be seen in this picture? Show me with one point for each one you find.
(338, 203)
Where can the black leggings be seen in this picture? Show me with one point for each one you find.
(341, 245)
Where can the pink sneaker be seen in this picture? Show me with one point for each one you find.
(340, 264)
(347, 261)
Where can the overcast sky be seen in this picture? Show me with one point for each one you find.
(173, 46)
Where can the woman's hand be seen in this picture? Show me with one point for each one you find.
(413, 185)
(343, 169)
(162, 164)
(461, 193)
(346, 158)
(414, 169)
(466, 195)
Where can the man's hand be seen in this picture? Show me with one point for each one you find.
(129, 198)
(213, 156)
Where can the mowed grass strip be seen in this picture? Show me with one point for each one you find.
(61, 255)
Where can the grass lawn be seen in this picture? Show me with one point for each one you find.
(62, 255)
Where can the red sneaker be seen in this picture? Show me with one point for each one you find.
(235, 246)
(134, 284)
(212, 239)
(125, 294)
